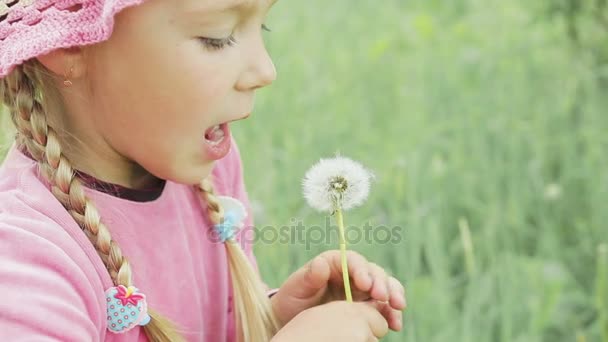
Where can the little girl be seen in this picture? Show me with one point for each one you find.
(122, 194)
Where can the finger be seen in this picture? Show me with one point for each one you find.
(317, 273)
(397, 319)
(393, 317)
(380, 288)
(377, 322)
(397, 294)
(360, 296)
(358, 269)
(308, 280)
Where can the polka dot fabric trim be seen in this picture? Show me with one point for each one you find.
(122, 318)
(30, 28)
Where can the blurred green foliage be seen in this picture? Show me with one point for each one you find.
(480, 118)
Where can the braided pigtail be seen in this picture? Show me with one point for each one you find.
(27, 92)
(255, 319)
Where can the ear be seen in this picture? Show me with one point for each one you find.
(65, 62)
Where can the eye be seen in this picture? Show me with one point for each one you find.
(218, 44)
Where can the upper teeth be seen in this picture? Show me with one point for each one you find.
(216, 135)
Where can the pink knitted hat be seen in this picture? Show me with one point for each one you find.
(30, 28)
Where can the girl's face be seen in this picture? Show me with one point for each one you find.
(172, 70)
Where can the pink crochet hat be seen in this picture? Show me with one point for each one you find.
(29, 28)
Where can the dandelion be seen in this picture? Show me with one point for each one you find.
(332, 186)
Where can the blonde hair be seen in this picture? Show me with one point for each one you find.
(29, 94)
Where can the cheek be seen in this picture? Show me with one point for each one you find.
(132, 91)
(203, 79)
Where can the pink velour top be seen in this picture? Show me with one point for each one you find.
(52, 281)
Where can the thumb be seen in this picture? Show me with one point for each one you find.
(317, 273)
(308, 280)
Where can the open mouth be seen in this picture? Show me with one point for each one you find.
(216, 134)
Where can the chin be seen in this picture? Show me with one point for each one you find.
(191, 174)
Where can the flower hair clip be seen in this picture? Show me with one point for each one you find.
(127, 308)
(335, 185)
(234, 216)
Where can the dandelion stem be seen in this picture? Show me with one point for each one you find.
(349, 296)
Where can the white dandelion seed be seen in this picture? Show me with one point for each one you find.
(336, 183)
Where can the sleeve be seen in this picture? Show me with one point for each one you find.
(43, 291)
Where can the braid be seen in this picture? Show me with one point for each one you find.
(254, 314)
(27, 109)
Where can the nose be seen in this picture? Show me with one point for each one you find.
(259, 68)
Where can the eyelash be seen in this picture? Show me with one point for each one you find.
(218, 44)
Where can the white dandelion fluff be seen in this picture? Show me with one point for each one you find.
(336, 183)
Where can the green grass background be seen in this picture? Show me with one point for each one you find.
(477, 117)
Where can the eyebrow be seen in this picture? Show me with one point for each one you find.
(230, 6)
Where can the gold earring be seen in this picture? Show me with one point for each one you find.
(67, 82)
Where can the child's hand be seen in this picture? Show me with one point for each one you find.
(337, 321)
(320, 281)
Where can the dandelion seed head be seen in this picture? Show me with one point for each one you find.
(336, 183)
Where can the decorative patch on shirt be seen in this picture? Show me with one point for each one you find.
(127, 308)
(234, 215)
